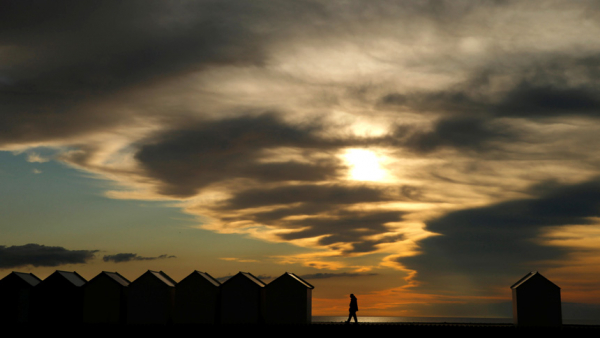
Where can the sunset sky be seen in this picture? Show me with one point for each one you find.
(423, 155)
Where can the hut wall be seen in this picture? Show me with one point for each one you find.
(56, 301)
(150, 301)
(15, 297)
(242, 301)
(288, 302)
(196, 301)
(537, 304)
(105, 301)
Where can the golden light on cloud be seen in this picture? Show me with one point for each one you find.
(577, 275)
(584, 237)
(318, 260)
(365, 165)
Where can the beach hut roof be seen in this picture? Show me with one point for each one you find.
(29, 278)
(250, 277)
(163, 277)
(207, 277)
(253, 278)
(530, 276)
(302, 281)
(116, 277)
(72, 276)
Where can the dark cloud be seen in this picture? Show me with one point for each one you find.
(461, 133)
(549, 86)
(447, 101)
(475, 115)
(127, 257)
(323, 275)
(317, 195)
(306, 209)
(501, 242)
(189, 158)
(41, 255)
(365, 246)
(65, 61)
(347, 227)
(323, 209)
(530, 100)
(64, 57)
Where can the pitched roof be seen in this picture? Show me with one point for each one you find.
(208, 277)
(117, 278)
(253, 278)
(296, 277)
(250, 277)
(72, 277)
(29, 278)
(530, 276)
(163, 277)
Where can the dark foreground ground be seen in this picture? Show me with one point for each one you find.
(319, 329)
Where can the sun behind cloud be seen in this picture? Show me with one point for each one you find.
(364, 165)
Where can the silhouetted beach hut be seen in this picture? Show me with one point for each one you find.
(242, 300)
(151, 299)
(536, 301)
(16, 294)
(197, 299)
(289, 300)
(105, 299)
(58, 299)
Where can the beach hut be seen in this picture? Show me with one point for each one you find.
(288, 300)
(536, 301)
(16, 291)
(242, 300)
(58, 299)
(197, 299)
(151, 298)
(105, 299)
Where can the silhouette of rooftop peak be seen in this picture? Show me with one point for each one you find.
(248, 276)
(163, 277)
(530, 276)
(71, 276)
(29, 278)
(117, 277)
(208, 277)
(295, 277)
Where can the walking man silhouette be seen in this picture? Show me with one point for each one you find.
(353, 309)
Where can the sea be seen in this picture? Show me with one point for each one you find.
(330, 319)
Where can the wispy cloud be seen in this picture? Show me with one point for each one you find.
(34, 157)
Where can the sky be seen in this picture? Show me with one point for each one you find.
(423, 155)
